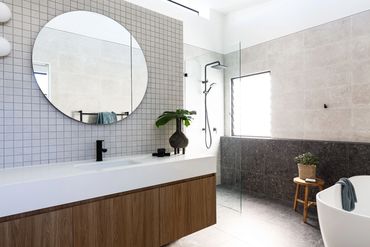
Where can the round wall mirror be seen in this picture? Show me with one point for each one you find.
(90, 67)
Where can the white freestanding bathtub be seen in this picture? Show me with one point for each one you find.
(340, 228)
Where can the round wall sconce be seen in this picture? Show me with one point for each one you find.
(5, 13)
(5, 47)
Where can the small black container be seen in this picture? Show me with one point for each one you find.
(161, 152)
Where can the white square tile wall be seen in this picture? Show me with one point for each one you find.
(33, 132)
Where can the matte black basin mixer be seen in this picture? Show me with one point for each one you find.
(100, 150)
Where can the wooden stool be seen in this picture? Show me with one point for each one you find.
(306, 203)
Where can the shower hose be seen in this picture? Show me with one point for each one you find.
(207, 127)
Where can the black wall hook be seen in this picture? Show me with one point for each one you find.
(325, 106)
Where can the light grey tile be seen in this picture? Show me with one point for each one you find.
(162, 42)
(328, 33)
(360, 24)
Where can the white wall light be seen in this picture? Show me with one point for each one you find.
(5, 47)
(5, 13)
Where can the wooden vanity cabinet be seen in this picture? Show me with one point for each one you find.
(128, 220)
(51, 229)
(149, 217)
(186, 208)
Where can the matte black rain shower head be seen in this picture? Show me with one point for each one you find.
(219, 66)
(214, 65)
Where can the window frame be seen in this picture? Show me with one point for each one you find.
(232, 102)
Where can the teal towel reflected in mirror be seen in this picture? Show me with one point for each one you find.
(106, 118)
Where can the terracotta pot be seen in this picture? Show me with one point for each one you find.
(306, 171)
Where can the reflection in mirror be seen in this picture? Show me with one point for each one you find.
(90, 67)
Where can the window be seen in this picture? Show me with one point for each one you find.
(251, 105)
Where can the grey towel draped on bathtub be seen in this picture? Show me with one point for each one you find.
(348, 193)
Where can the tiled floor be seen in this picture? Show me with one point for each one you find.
(263, 223)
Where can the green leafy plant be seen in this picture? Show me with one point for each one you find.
(307, 159)
(184, 115)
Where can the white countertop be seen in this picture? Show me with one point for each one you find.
(27, 189)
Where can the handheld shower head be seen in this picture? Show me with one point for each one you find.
(209, 88)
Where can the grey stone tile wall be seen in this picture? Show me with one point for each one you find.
(267, 167)
(33, 132)
(328, 64)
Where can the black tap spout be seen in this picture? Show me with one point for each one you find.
(100, 150)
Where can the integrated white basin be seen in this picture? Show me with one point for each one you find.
(31, 188)
(107, 164)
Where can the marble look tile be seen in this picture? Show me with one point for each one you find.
(253, 66)
(360, 94)
(291, 101)
(327, 76)
(360, 48)
(361, 72)
(287, 133)
(360, 24)
(286, 83)
(330, 54)
(286, 62)
(361, 119)
(290, 44)
(288, 121)
(329, 120)
(335, 97)
(360, 135)
(327, 33)
(254, 53)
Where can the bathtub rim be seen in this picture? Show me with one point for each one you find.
(318, 199)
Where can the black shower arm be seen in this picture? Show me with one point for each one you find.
(205, 69)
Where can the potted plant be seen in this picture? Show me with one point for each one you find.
(307, 163)
(178, 139)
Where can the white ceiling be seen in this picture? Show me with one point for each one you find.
(226, 6)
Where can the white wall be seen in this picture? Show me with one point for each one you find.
(195, 60)
(254, 25)
(282, 17)
(92, 25)
(206, 33)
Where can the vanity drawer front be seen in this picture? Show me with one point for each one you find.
(128, 220)
(40, 230)
(186, 208)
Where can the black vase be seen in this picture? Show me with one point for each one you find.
(178, 139)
